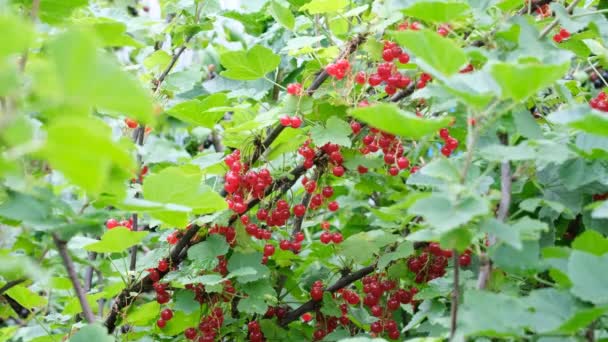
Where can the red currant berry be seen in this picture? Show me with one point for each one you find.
(295, 122)
(337, 238)
(326, 237)
(333, 206)
(285, 121)
(316, 293)
(166, 314)
(161, 323)
(268, 250)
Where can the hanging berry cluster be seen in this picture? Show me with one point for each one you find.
(255, 333)
(431, 263)
(228, 232)
(293, 245)
(290, 121)
(327, 237)
(113, 223)
(338, 69)
(451, 143)
(392, 148)
(600, 102)
(561, 36)
(240, 183)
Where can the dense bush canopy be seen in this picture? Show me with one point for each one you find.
(299, 170)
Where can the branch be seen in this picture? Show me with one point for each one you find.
(174, 59)
(138, 138)
(485, 264)
(312, 305)
(554, 23)
(11, 284)
(69, 266)
(88, 276)
(403, 93)
(535, 5)
(455, 295)
(322, 75)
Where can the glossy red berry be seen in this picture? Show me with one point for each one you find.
(299, 237)
(325, 225)
(294, 89)
(333, 206)
(295, 122)
(285, 120)
(285, 245)
(464, 260)
(268, 250)
(338, 171)
(360, 77)
(131, 123)
(403, 163)
(166, 314)
(355, 127)
(376, 327)
(316, 293)
(337, 238)
(328, 191)
(306, 317)
(112, 223)
(190, 333)
(163, 266)
(325, 237)
(161, 323)
(299, 210)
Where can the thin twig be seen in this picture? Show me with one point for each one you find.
(138, 138)
(163, 75)
(312, 305)
(485, 264)
(11, 284)
(69, 266)
(554, 23)
(455, 295)
(34, 17)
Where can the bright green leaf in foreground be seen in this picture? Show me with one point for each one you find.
(116, 240)
(391, 119)
(520, 81)
(438, 54)
(437, 11)
(249, 65)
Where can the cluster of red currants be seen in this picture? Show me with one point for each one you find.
(255, 333)
(228, 232)
(290, 121)
(279, 311)
(415, 26)
(142, 173)
(600, 102)
(443, 30)
(239, 182)
(208, 327)
(391, 147)
(162, 295)
(113, 223)
(562, 35)
(451, 143)
(338, 69)
(316, 291)
(165, 316)
(375, 289)
(273, 217)
(326, 325)
(295, 89)
(222, 265)
(430, 264)
(327, 237)
(295, 245)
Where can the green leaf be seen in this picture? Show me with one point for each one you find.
(249, 65)
(56, 11)
(362, 246)
(206, 252)
(88, 156)
(592, 242)
(444, 213)
(324, 6)
(180, 322)
(26, 297)
(520, 81)
(116, 240)
(433, 52)
(589, 276)
(519, 261)
(500, 152)
(329, 306)
(181, 186)
(111, 33)
(437, 11)
(184, 301)
(251, 260)
(16, 33)
(198, 112)
(391, 119)
(336, 131)
(403, 250)
(258, 294)
(92, 332)
(479, 316)
(272, 331)
(281, 14)
(550, 308)
(142, 315)
(90, 79)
